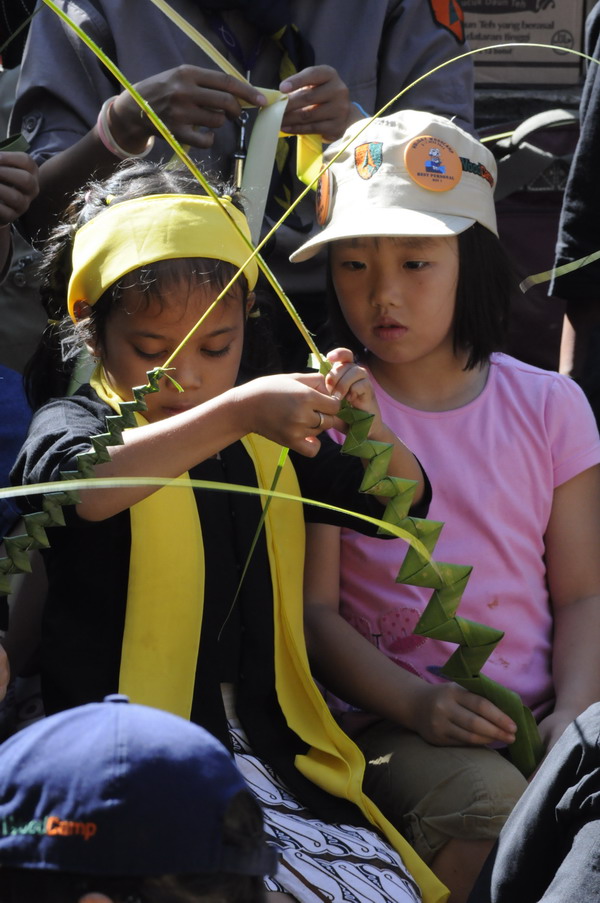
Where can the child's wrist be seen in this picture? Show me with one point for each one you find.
(242, 409)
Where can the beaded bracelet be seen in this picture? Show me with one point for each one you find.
(107, 139)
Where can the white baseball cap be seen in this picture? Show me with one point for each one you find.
(412, 173)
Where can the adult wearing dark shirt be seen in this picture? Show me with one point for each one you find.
(352, 57)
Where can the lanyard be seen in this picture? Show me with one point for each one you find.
(247, 62)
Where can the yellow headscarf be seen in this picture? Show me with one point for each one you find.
(130, 234)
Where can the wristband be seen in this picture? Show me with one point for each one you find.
(107, 139)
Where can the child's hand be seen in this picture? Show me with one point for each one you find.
(319, 103)
(448, 715)
(348, 380)
(18, 185)
(291, 409)
(190, 100)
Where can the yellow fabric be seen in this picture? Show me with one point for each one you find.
(119, 240)
(164, 605)
(156, 599)
(163, 619)
(309, 159)
(334, 762)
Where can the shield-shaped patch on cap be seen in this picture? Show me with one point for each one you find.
(368, 158)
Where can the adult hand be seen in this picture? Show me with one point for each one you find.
(319, 103)
(448, 715)
(18, 184)
(191, 101)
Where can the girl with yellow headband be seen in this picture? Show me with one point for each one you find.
(144, 593)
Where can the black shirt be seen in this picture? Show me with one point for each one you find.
(88, 567)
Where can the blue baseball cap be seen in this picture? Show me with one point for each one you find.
(113, 788)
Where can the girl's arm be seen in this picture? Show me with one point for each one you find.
(356, 671)
(281, 408)
(573, 567)
(349, 380)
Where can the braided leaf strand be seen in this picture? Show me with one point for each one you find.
(439, 620)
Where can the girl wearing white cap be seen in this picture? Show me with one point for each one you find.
(420, 290)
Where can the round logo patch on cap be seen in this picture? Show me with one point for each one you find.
(433, 163)
(323, 198)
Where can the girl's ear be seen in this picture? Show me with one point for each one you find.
(250, 301)
(82, 310)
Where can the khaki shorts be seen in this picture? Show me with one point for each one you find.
(432, 794)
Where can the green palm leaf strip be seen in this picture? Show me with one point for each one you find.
(475, 641)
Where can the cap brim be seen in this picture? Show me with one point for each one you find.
(393, 222)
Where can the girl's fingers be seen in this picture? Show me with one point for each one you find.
(309, 446)
(324, 422)
(477, 729)
(342, 355)
(348, 379)
(483, 708)
(457, 716)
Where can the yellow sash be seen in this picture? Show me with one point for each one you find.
(164, 616)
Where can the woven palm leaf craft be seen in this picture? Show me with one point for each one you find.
(438, 621)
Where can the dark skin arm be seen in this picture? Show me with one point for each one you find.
(191, 101)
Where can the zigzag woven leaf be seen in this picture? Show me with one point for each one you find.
(439, 621)
(17, 548)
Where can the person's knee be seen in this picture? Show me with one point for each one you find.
(471, 802)
(434, 794)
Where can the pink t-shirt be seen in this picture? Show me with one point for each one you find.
(493, 466)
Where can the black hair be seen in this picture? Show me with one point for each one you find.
(242, 828)
(486, 283)
(14, 25)
(49, 371)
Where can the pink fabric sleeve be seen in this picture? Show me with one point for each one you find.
(573, 438)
